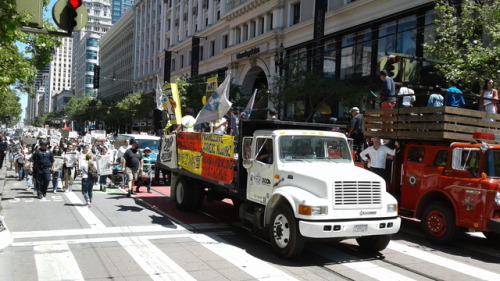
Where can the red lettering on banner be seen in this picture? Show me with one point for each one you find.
(189, 141)
(217, 168)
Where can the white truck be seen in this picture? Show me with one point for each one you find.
(296, 179)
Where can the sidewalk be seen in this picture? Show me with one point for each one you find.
(5, 235)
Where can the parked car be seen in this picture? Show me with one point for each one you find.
(152, 142)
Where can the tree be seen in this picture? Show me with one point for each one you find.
(9, 106)
(466, 41)
(17, 70)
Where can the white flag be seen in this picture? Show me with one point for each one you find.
(217, 105)
(248, 109)
(159, 94)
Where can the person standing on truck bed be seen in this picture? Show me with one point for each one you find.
(232, 123)
(489, 98)
(377, 154)
(131, 164)
(388, 91)
(187, 122)
(455, 99)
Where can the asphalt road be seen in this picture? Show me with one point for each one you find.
(146, 238)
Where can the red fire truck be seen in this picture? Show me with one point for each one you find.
(447, 170)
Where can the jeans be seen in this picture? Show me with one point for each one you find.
(21, 173)
(87, 186)
(55, 180)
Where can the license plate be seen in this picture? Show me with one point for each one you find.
(360, 228)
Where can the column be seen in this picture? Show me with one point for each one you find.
(190, 17)
(223, 7)
(173, 29)
(258, 26)
(211, 9)
(200, 15)
(182, 33)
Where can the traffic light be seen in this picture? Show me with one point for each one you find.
(97, 74)
(70, 15)
(393, 66)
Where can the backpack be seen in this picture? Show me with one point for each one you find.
(93, 172)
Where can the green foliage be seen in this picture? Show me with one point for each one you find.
(10, 107)
(466, 41)
(17, 69)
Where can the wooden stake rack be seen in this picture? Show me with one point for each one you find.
(429, 123)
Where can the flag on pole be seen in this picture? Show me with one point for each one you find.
(248, 109)
(217, 105)
(159, 95)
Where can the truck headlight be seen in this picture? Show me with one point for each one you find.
(497, 198)
(392, 208)
(311, 210)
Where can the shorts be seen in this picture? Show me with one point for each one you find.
(132, 173)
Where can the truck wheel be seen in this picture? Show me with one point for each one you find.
(438, 223)
(374, 243)
(286, 239)
(184, 195)
(492, 236)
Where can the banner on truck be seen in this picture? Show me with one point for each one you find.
(168, 154)
(172, 103)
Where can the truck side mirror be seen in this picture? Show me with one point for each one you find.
(247, 163)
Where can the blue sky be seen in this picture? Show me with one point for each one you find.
(24, 97)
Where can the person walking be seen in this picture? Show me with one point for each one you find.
(146, 176)
(376, 155)
(103, 178)
(27, 167)
(43, 166)
(132, 164)
(356, 130)
(89, 177)
(489, 98)
(56, 174)
(70, 160)
(454, 96)
(4, 147)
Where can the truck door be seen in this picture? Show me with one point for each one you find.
(462, 183)
(261, 174)
(411, 180)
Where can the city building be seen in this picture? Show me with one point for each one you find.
(116, 49)
(85, 46)
(60, 70)
(120, 8)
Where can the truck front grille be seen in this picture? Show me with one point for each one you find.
(352, 193)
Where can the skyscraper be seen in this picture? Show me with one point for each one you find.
(119, 8)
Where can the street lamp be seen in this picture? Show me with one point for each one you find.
(279, 62)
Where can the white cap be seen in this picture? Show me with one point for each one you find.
(355, 109)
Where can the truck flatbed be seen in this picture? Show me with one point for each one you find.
(429, 123)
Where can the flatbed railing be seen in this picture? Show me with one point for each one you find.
(429, 123)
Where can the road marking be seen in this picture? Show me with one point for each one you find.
(374, 271)
(153, 261)
(241, 259)
(56, 262)
(444, 262)
(85, 211)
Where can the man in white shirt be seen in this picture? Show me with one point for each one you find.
(121, 150)
(187, 122)
(377, 154)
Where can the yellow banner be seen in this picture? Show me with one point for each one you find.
(219, 145)
(211, 86)
(189, 160)
(172, 103)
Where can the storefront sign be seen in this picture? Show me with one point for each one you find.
(248, 53)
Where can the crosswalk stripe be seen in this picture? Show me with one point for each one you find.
(56, 262)
(241, 259)
(445, 262)
(153, 261)
(376, 272)
(84, 211)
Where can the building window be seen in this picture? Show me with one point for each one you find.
(201, 53)
(225, 41)
(271, 16)
(398, 36)
(182, 61)
(262, 27)
(296, 13)
(212, 48)
(356, 54)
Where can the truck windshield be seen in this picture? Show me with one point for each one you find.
(295, 148)
(492, 165)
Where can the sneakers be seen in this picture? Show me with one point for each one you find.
(28, 188)
(149, 191)
(88, 202)
(39, 196)
(55, 190)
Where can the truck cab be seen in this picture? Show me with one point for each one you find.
(307, 186)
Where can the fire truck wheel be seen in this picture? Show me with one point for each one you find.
(438, 223)
(286, 239)
(374, 243)
(492, 236)
(184, 195)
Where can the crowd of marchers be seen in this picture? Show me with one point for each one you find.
(54, 162)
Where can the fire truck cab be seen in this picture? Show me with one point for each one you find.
(448, 180)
